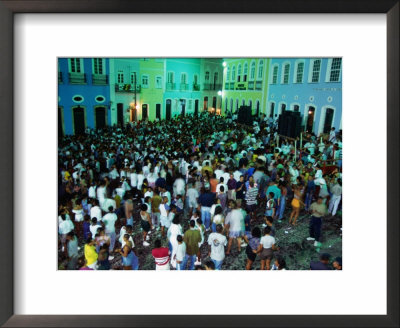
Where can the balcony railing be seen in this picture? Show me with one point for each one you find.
(196, 87)
(226, 85)
(183, 86)
(207, 86)
(259, 85)
(217, 86)
(60, 77)
(77, 78)
(170, 86)
(232, 86)
(100, 79)
(121, 87)
(251, 85)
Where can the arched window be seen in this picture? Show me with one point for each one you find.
(275, 74)
(285, 73)
(239, 72)
(228, 74)
(233, 73)
(315, 70)
(245, 69)
(299, 72)
(260, 70)
(207, 76)
(252, 71)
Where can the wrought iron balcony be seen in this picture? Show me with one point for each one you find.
(121, 87)
(259, 85)
(207, 86)
(241, 86)
(196, 87)
(170, 86)
(232, 86)
(183, 86)
(77, 78)
(226, 86)
(251, 85)
(100, 79)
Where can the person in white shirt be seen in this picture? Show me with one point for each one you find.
(94, 227)
(217, 242)
(180, 252)
(126, 230)
(109, 220)
(192, 195)
(235, 228)
(64, 227)
(219, 172)
(140, 178)
(268, 244)
(92, 191)
(174, 231)
(95, 211)
(101, 192)
(120, 191)
(107, 203)
(113, 173)
(134, 178)
(179, 186)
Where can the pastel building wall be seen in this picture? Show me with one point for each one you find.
(245, 83)
(83, 94)
(312, 86)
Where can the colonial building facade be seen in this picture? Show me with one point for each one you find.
(94, 92)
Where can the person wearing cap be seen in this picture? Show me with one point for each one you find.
(318, 210)
(322, 264)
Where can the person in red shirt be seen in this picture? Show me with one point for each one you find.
(161, 256)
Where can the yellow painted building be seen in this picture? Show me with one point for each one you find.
(245, 83)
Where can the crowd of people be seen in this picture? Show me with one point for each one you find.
(190, 192)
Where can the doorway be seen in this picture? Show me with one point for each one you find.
(214, 103)
(183, 106)
(328, 120)
(271, 109)
(205, 105)
(158, 111)
(100, 113)
(79, 120)
(168, 109)
(120, 114)
(196, 107)
(310, 119)
(60, 124)
(144, 112)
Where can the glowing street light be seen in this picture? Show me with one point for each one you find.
(224, 64)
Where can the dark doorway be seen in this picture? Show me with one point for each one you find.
(183, 105)
(79, 120)
(214, 103)
(144, 112)
(100, 117)
(158, 111)
(196, 107)
(296, 108)
(258, 108)
(272, 109)
(120, 114)
(60, 125)
(283, 108)
(310, 119)
(328, 120)
(205, 105)
(168, 109)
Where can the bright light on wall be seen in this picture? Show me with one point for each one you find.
(224, 64)
(220, 93)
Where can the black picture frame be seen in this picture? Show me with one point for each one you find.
(10, 7)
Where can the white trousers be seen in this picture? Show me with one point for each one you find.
(334, 203)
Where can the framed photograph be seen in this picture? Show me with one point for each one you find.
(161, 107)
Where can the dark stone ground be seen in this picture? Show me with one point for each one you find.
(294, 248)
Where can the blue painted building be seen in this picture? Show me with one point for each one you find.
(312, 86)
(83, 94)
